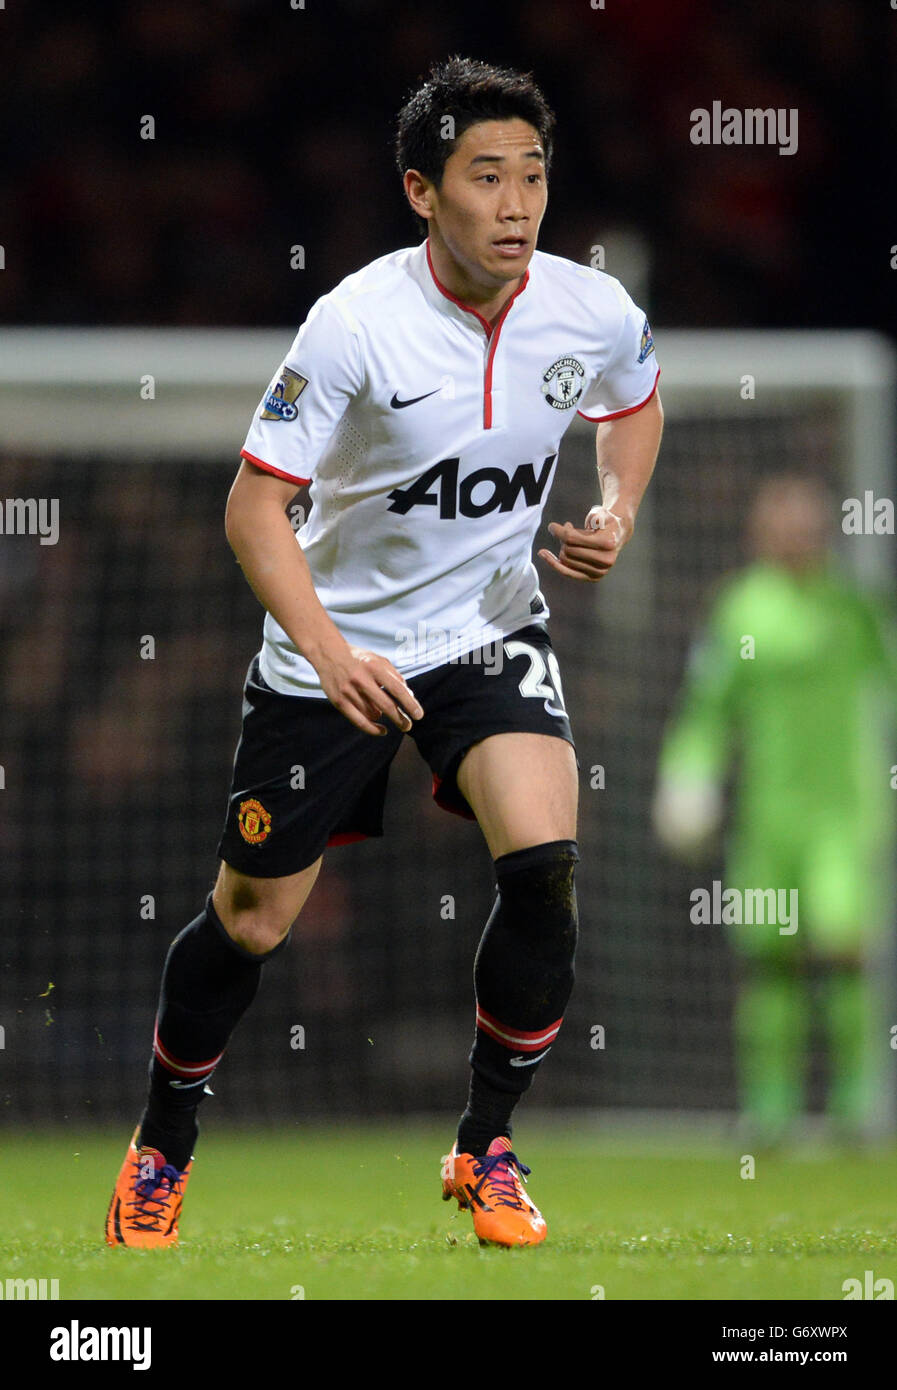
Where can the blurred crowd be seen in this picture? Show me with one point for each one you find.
(273, 129)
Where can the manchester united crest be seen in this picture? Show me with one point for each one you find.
(563, 382)
(254, 822)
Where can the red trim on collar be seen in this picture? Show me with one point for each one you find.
(490, 358)
(491, 337)
(468, 309)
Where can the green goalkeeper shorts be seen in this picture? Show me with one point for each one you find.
(842, 883)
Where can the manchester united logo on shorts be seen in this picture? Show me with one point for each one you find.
(254, 822)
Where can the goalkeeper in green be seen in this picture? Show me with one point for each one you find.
(794, 680)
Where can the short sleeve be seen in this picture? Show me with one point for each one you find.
(307, 397)
(629, 379)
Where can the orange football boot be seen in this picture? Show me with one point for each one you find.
(490, 1187)
(147, 1200)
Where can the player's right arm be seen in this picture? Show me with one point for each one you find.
(359, 683)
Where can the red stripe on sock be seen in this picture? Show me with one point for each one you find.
(195, 1070)
(517, 1039)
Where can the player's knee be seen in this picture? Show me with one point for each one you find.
(538, 895)
(256, 929)
(256, 914)
(258, 933)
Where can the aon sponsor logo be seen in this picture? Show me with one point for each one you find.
(484, 490)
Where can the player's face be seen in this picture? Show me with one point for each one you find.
(491, 201)
(791, 527)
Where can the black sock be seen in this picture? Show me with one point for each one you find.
(487, 1116)
(208, 983)
(523, 977)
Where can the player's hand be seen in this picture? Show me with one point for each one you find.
(687, 815)
(588, 552)
(364, 687)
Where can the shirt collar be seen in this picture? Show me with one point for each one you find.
(443, 299)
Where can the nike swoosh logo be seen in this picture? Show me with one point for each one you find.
(529, 1061)
(186, 1085)
(400, 405)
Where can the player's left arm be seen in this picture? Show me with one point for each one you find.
(627, 451)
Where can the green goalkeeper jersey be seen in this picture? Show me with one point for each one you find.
(792, 676)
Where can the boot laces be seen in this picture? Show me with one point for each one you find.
(498, 1171)
(149, 1210)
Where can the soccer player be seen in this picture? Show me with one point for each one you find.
(813, 811)
(425, 399)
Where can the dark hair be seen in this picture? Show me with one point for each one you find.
(469, 91)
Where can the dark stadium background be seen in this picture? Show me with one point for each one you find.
(273, 127)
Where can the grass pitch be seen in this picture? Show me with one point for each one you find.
(356, 1214)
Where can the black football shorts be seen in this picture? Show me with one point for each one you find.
(305, 777)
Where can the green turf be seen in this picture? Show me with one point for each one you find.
(356, 1214)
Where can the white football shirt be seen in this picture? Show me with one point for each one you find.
(430, 442)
